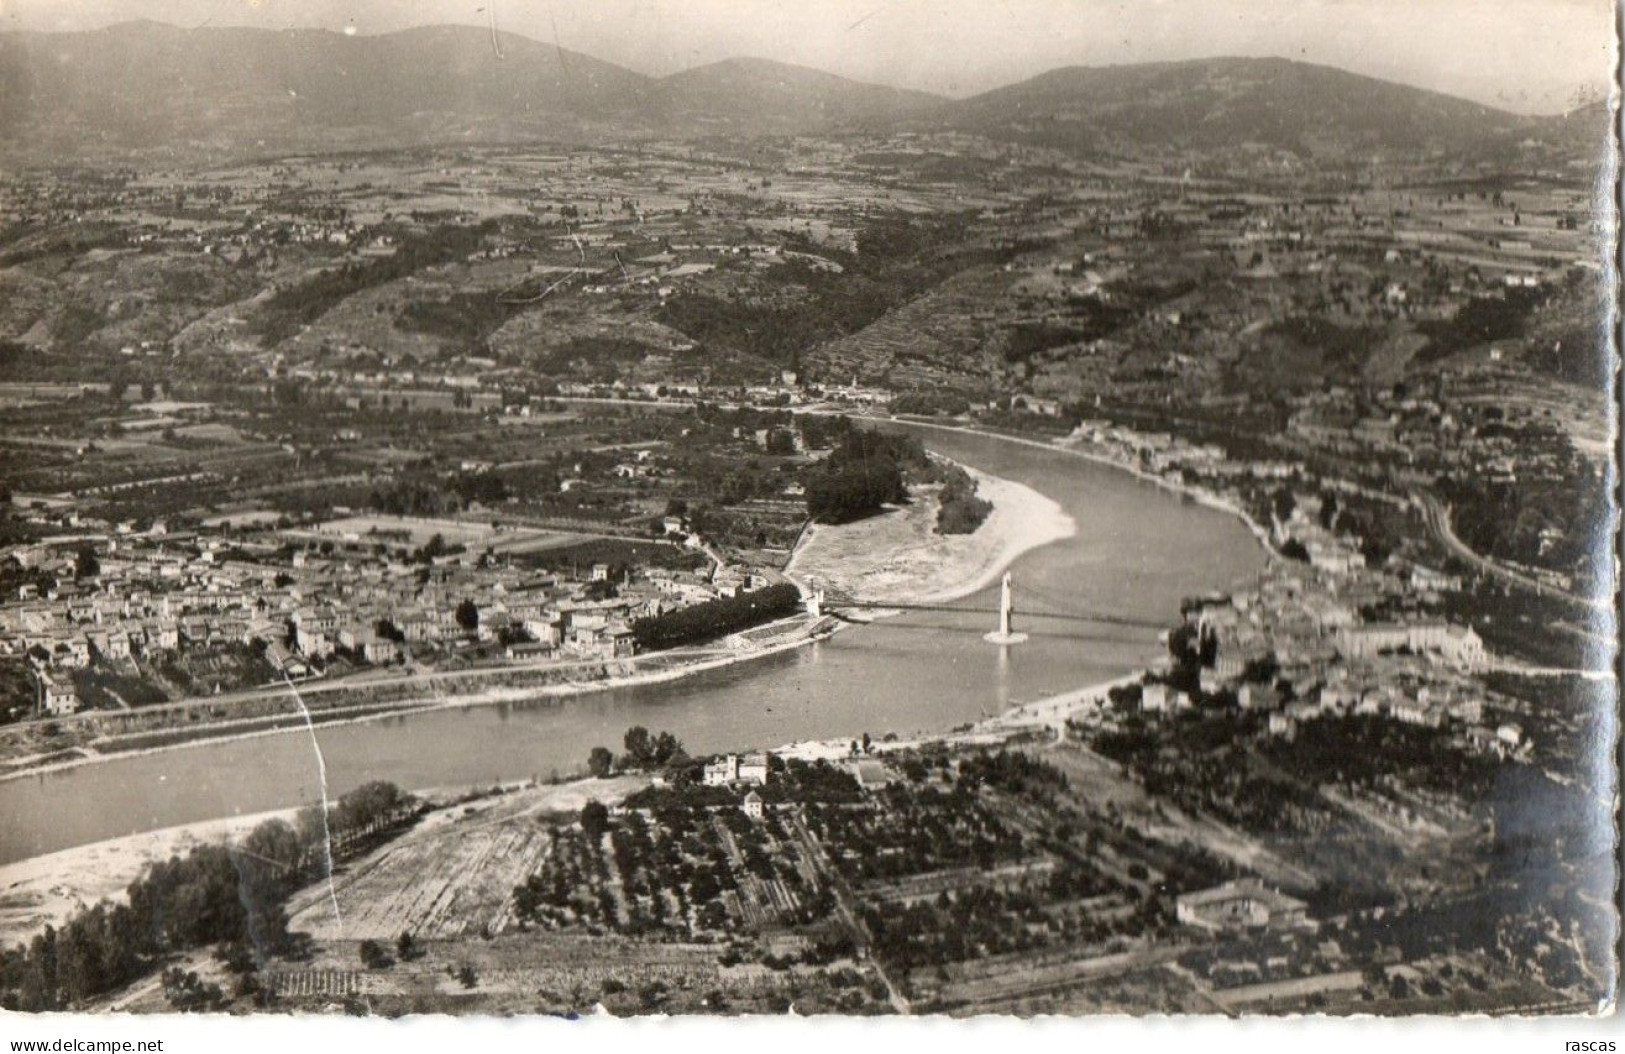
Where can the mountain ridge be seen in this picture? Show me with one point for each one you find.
(1226, 101)
(143, 84)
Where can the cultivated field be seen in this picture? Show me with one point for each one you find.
(433, 887)
(452, 877)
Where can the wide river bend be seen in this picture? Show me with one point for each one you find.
(1139, 549)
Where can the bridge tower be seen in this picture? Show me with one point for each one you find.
(1006, 634)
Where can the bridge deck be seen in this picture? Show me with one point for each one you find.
(1065, 616)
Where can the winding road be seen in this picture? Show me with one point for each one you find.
(1436, 515)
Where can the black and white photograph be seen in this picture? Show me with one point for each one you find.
(836, 508)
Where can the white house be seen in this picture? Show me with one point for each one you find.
(56, 697)
(753, 768)
(722, 771)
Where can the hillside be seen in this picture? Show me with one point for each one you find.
(150, 84)
(1221, 103)
(144, 84)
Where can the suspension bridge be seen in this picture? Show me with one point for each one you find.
(1050, 608)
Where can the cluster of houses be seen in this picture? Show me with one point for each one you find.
(1298, 646)
(734, 770)
(154, 594)
(1169, 456)
(1297, 654)
(1420, 437)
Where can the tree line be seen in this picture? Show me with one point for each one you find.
(716, 618)
(232, 895)
(862, 473)
(645, 751)
(299, 305)
(960, 509)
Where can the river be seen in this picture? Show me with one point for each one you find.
(1139, 549)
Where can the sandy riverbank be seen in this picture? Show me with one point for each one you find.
(897, 556)
(47, 889)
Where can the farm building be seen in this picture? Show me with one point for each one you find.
(1243, 904)
(868, 772)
